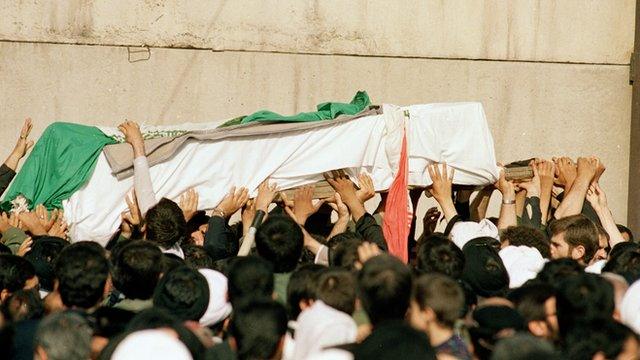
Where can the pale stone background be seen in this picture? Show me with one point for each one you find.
(553, 75)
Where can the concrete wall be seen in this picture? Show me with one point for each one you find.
(552, 75)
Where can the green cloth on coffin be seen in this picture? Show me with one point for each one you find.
(326, 111)
(61, 162)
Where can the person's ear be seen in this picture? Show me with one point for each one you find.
(578, 252)
(599, 356)
(429, 315)
(538, 328)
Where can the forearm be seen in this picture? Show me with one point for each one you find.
(546, 190)
(534, 218)
(574, 199)
(339, 227)
(448, 208)
(369, 229)
(219, 241)
(609, 225)
(508, 216)
(12, 161)
(521, 198)
(143, 185)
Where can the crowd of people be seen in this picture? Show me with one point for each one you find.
(553, 276)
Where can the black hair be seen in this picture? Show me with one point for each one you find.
(137, 268)
(23, 305)
(249, 278)
(523, 346)
(184, 292)
(384, 287)
(198, 219)
(625, 261)
(303, 285)
(279, 240)
(438, 254)
(258, 329)
(555, 271)
(583, 298)
(171, 261)
(623, 229)
(527, 236)
(42, 255)
(166, 225)
(441, 294)
(4, 249)
(337, 288)
(14, 272)
(82, 271)
(197, 257)
(343, 249)
(529, 300)
(601, 336)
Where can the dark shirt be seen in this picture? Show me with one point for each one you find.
(221, 351)
(369, 229)
(6, 175)
(220, 241)
(454, 346)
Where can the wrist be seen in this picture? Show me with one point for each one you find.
(220, 213)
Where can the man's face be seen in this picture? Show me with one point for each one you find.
(559, 248)
(603, 245)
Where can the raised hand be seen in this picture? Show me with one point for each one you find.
(339, 206)
(430, 220)
(46, 220)
(566, 172)
(189, 203)
(534, 184)
(588, 167)
(59, 229)
(367, 190)
(22, 145)
(247, 215)
(25, 247)
(596, 197)
(133, 135)
(234, 200)
(266, 194)
(366, 251)
(32, 223)
(303, 205)
(131, 218)
(442, 185)
(347, 191)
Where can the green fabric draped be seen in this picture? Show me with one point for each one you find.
(61, 162)
(325, 111)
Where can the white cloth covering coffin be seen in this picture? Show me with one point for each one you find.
(455, 133)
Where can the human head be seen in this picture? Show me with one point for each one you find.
(523, 346)
(626, 232)
(526, 236)
(602, 252)
(42, 255)
(625, 262)
(601, 339)
(166, 225)
(302, 288)
(250, 278)
(219, 307)
(492, 324)
(337, 288)
(583, 298)
(384, 288)
(258, 330)
(63, 336)
(344, 250)
(555, 271)
(197, 257)
(574, 237)
(82, 273)
(438, 254)
(137, 268)
(279, 240)
(184, 292)
(23, 305)
(15, 273)
(436, 298)
(484, 270)
(151, 344)
(537, 305)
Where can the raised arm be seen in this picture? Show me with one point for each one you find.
(598, 200)
(141, 177)
(8, 169)
(546, 171)
(441, 189)
(574, 199)
(508, 208)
